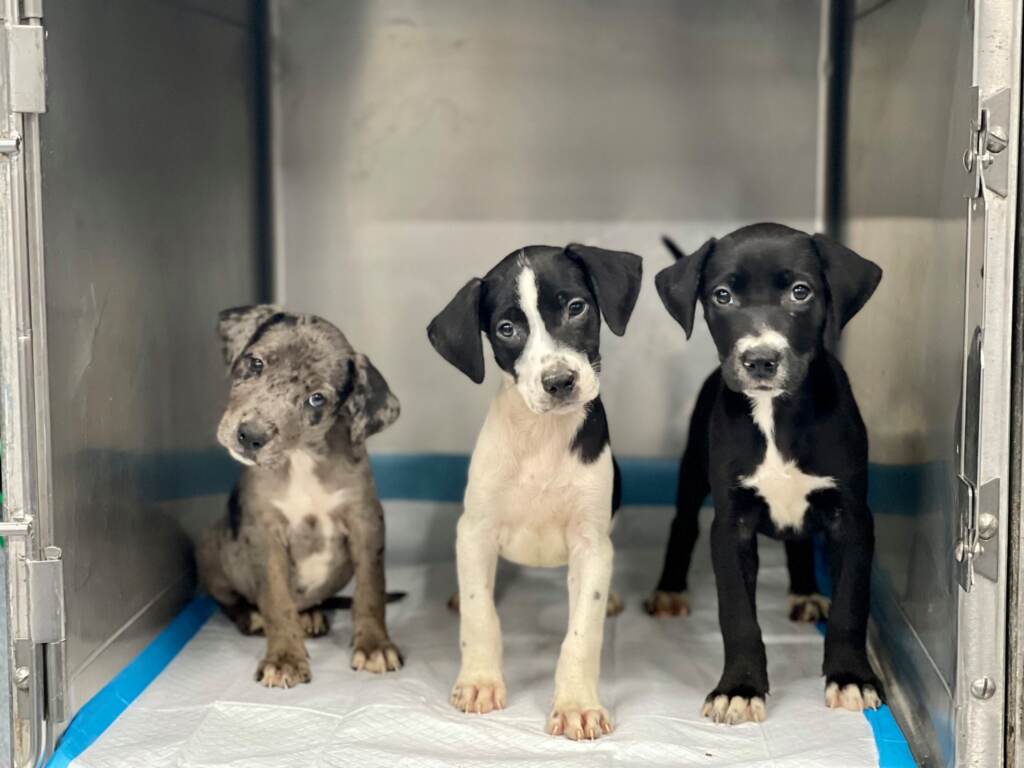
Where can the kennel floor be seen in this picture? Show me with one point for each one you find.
(205, 709)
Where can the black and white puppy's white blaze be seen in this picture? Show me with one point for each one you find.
(786, 447)
(542, 483)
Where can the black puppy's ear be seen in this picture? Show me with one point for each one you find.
(679, 285)
(238, 325)
(455, 332)
(615, 277)
(851, 279)
(370, 403)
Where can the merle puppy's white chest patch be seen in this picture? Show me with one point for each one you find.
(782, 485)
(309, 509)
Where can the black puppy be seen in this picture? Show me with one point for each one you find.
(787, 449)
(670, 597)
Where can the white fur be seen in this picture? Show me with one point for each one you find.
(305, 495)
(779, 481)
(531, 500)
(542, 351)
(766, 338)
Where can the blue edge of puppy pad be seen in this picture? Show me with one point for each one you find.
(438, 478)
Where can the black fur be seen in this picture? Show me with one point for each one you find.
(234, 512)
(592, 437)
(817, 425)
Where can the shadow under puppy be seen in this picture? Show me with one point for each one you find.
(787, 448)
(671, 597)
(542, 481)
(304, 516)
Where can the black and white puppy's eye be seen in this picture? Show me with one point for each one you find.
(722, 296)
(801, 292)
(506, 329)
(254, 364)
(316, 400)
(576, 307)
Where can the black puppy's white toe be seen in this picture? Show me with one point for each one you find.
(741, 705)
(853, 694)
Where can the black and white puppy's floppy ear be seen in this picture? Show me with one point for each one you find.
(615, 278)
(238, 325)
(851, 280)
(370, 403)
(455, 332)
(679, 285)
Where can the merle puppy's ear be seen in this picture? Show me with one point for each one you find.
(851, 280)
(455, 332)
(679, 285)
(238, 325)
(370, 403)
(615, 277)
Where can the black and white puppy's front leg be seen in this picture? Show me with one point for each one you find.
(577, 711)
(480, 687)
(740, 694)
(850, 682)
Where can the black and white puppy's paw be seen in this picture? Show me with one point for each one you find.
(808, 609)
(741, 704)
(853, 692)
(661, 604)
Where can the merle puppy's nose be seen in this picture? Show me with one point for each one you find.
(558, 382)
(251, 437)
(761, 363)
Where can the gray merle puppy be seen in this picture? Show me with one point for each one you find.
(304, 516)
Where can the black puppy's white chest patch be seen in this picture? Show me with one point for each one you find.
(780, 483)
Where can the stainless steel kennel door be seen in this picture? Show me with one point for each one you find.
(929, 192)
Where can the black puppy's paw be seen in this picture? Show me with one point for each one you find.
(661, 604)
(741, 704)
(853, 692)
(808, 608)
(314, 623)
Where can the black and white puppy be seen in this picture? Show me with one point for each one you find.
(787, 449)
(671, 597)
(542, 480)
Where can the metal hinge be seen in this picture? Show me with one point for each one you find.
(986, 160)
(26, 67)
(47, 625)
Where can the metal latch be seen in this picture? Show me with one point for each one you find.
(26, 67)
(986, 160)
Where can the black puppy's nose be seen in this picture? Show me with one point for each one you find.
(251, 437)
(761, 363)
(558, 382)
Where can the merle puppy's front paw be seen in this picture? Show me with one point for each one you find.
(667, 604)
(853, 692)
(283, 670)
(375, 655)
(314, 623)
(808, 608)
(739, 705)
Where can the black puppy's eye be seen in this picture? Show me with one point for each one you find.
(801, 292)
(576, 307)
(316, 400)
(254, 364)
(723, 295)
(506, 329)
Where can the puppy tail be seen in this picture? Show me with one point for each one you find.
(675, 250)
(341, 603)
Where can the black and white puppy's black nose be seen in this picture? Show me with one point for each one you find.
(251, 437)
(559, 381)
(761, 363)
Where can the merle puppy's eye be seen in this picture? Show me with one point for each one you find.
(723, 295)
(801, 292)
(506, 329)
(316, 400)
(254, 364)
(576, 307)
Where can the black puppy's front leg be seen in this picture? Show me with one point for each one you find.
(806, 604)
(850, 683)
(740, 694)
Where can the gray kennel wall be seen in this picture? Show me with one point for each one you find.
(416, 143)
